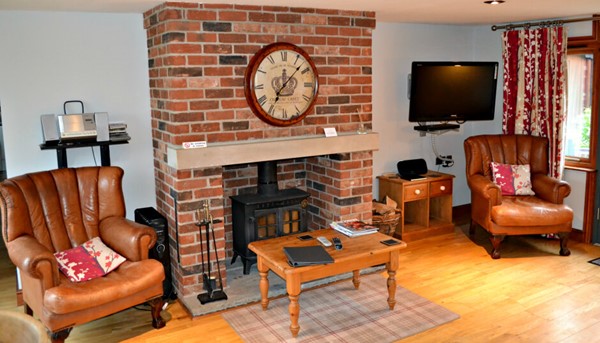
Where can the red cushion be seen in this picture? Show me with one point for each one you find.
(512, 179)
(90, 260)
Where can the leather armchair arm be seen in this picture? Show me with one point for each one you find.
(34, 259)
(484, 195)
(549, 188)
(486, 189)
(130, 239)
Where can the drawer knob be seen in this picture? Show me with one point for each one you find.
(417, 191)
(442, 188)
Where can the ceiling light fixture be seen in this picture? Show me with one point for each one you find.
(494, 2)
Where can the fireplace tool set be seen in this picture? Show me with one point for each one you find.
(205, 220)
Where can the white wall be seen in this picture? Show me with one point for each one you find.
(395, 47)
(47, 58)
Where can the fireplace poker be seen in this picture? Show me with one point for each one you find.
(211, 294)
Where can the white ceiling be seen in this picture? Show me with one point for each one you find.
(407, 11)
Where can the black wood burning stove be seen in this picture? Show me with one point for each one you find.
(269, 213)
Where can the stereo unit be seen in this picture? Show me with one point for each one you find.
(160, 252)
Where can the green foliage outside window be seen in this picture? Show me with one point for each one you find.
(585, 131)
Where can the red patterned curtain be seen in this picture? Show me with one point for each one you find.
(535, 71)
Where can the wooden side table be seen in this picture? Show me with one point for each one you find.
(426, 204)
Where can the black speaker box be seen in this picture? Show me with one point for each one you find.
(410, 168)
(160, 252)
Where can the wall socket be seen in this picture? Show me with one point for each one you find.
(444, 163)
(449, 163)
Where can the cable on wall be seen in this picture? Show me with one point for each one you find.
(447, 161)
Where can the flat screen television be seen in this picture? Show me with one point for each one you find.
(452, 91)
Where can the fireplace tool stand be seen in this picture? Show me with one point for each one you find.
(211, 294)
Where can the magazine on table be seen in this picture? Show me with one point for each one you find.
(353, 227)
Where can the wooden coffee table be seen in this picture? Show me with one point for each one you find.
(357, 253)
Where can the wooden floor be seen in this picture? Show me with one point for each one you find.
(530, 295)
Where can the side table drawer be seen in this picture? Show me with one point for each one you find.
(414, 192)
(438, 188)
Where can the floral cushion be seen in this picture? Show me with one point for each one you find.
(90, 260)
(512, 179)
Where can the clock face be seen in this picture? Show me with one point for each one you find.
(281, 84)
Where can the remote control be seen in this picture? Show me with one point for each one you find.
(324, 241)
(337, 242)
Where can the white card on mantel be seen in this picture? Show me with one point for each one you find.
(193, 145)
(330, 132)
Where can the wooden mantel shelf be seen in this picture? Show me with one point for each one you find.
(231, 153)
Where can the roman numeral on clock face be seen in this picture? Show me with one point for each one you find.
(262, 100)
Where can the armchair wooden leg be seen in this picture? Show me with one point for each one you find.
(156, 305)
(55, 337)
(27, 309)
(496, 241)
(472, 227)
(60, 336)
(564, 240)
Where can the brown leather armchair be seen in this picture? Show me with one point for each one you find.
(51, 211)
(502, 215)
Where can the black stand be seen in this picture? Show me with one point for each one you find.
(61, 150)
(211, 294)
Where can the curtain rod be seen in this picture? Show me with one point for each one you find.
(541, 23)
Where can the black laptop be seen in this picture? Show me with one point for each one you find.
(307, 256)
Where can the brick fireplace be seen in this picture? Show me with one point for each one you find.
(197, 57)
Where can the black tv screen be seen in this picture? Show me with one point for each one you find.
(452, 91)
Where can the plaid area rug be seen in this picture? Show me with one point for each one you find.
(595, 261)
(340, 313)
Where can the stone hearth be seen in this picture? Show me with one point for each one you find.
(197, 57)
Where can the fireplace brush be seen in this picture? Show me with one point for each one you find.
(211, 293)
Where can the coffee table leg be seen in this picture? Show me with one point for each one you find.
(356, 278)
(263, 284)
(392, 265)
(293, 289)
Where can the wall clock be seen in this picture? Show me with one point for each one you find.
(281, 84)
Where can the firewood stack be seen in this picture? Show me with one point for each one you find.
(386, 215)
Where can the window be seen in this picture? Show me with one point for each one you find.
(579, 108)
(583, 63)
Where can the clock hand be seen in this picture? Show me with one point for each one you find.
(286, 81)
